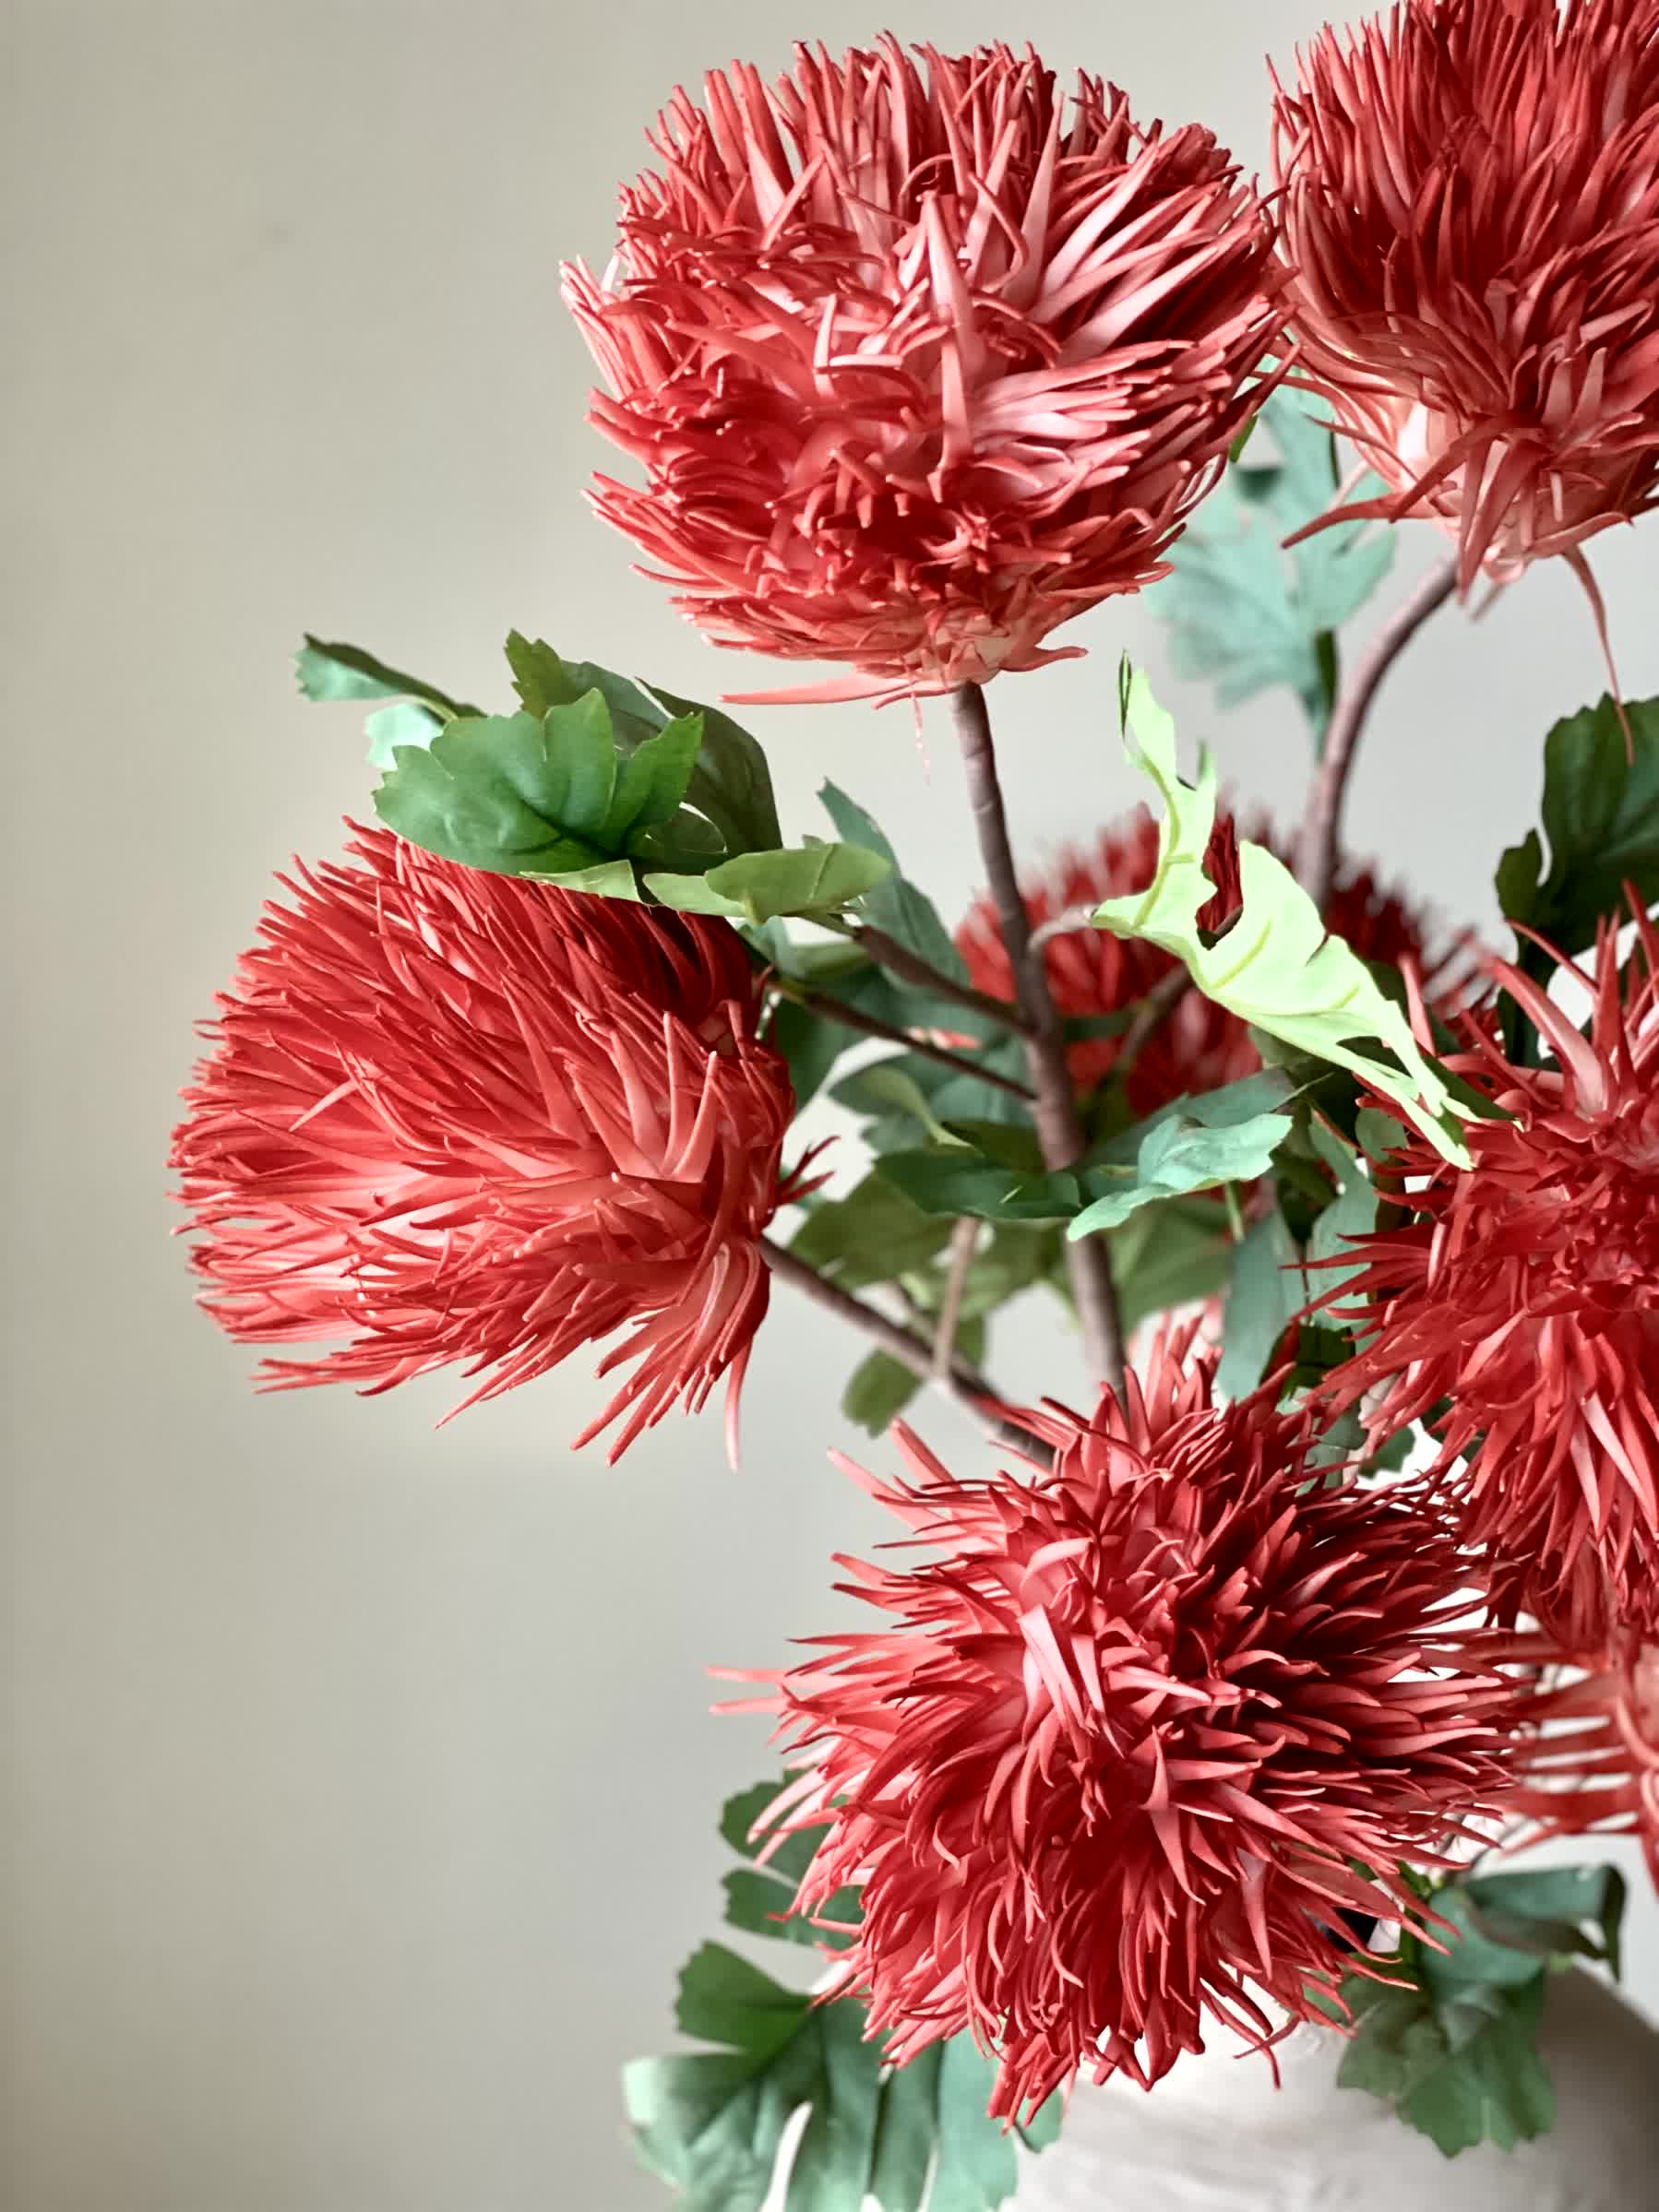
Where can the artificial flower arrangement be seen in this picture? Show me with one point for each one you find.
(1209, 1700)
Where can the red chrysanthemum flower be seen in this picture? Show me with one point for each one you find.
(1196, 1046)
(1130, 1740)
(1471, 222)
(1592, 1766)
(459, 1118)
(916, 367)
(1524, 1292)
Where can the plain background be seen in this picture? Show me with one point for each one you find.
(362, 1788)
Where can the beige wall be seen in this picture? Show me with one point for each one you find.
(361, 1800)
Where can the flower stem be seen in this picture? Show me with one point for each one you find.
(850, 1017)
(1059, 1131)
(964, 1243)
(1321, 843)
(962, 1384)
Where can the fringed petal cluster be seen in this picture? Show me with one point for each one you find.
(1517, 1309)
(1129, 1748)
(1197, 1045)
(1592, 1764)
(1471, 224)
(461, 1119)
(916, 366)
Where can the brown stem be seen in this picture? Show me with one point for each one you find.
(887, 952)
(964, 1243)
(833, 1009)
(1059, 1132)
(1154, 1009)
(1320, 840)
(960, 1383)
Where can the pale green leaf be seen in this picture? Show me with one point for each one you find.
(1275, 969)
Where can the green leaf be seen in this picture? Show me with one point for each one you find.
(1265, 1290)
(523, 795)
(896, 905)
(1276, 967)
(1169, 1256)
(1243, 609)
(1547, 1911)
(712, 2124)
(805, 879)
(952, 1095)
(1601, 818)
(730, 784)
(880, 1387)
(1354, 1213)
(873, 1235)
(407, 724)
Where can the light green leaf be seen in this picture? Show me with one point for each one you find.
(407, 724)
(606, 879)
(1275, 968)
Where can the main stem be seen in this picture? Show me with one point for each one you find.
(1320, 847)
(1059, 1132)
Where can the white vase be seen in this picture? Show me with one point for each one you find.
(1216, 2136)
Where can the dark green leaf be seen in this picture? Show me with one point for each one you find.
(1601, 818)
(952, 1095)
(882, 1386)
(1169, 1256)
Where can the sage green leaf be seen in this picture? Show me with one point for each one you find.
(1547, 1911)
(1276, 967)
(1225, 1137)
(895, 905)
(1354, 1213)
(328, 670)
(1601, 817)
(606, 879)
(1169, 1254)
(1265, 1290)
(712, 2124)
(1244, 609)
(952, 1094)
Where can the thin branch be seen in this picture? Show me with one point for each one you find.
(1059, 1131)
(833, 1009)
(965, 1244)
(1066, 924)
(1320, 840)
(887, 952)
(962, 1384)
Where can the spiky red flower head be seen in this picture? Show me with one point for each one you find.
(1197, 1045)
(1119, 1757)
(1591, 1763)
(918, 368)
(1471, 221)
(1524, 1291)
(459, 1118)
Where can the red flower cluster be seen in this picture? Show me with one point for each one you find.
(1198, 1046)
(1470, 196)
(918, 368)
(1525, 1293)
(1122, 1752)
(460, 1118)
